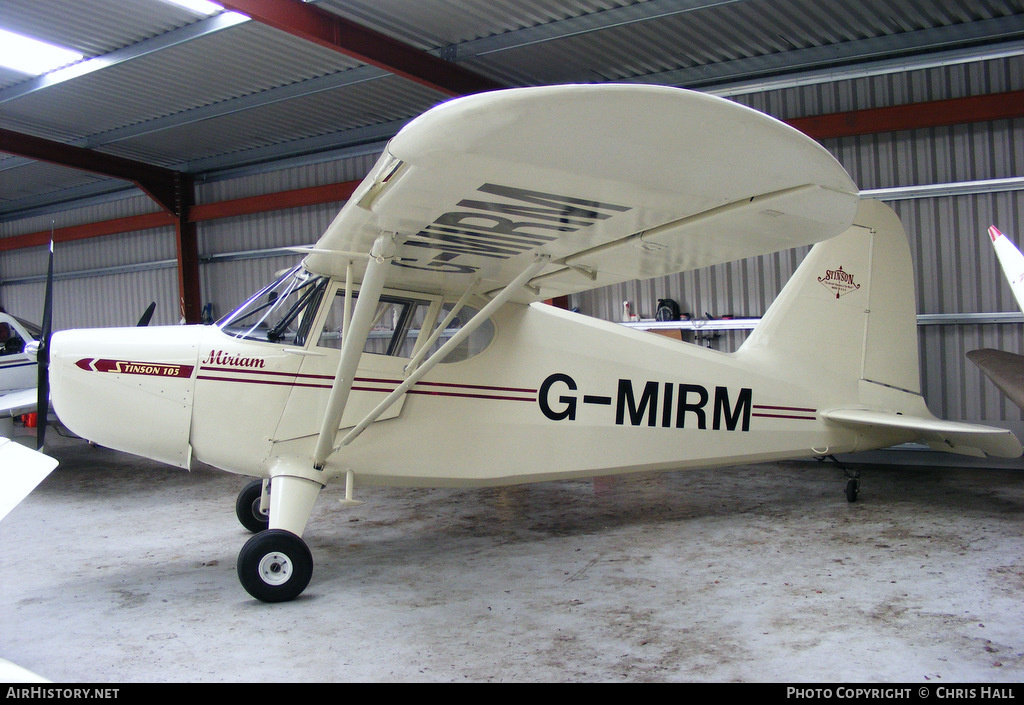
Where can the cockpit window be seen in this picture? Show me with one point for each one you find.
(280, 313)
(390, 332)
(473, 345)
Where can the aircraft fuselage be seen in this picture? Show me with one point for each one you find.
(553, 395)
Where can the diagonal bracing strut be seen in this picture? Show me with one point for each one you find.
(483, 315)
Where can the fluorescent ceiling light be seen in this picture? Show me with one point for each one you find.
(31, 56)
(201, 7)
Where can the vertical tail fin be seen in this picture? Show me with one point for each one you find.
(846, 326)
(849, 309)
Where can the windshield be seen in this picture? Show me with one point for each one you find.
(280, 313)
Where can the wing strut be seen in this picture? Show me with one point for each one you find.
(482, 316)
(355, 333)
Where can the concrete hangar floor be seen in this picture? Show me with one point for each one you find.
(121, 570)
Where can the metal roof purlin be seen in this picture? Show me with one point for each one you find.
(580, 24)
(334, 32)
(916, 49)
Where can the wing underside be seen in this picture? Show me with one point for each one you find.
(18, 402)
(21, 469)
(613, 183)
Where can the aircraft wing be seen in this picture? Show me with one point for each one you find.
(1005, 369)
(21, 470)
(613, 182)
(950, 436)
(18, 402)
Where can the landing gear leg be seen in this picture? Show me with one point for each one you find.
(276, 565)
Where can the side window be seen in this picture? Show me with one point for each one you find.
(475, 344)
(398, 324)
(391, 332)
(10, 342)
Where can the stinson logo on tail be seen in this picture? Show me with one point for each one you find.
(838, 281)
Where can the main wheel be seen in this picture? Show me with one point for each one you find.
(852, 490)
(247, 508)
(275, 566)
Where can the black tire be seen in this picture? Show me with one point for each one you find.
(247, 508)
(275, 566)
(852, 489)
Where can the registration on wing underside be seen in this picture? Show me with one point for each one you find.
(526, 220)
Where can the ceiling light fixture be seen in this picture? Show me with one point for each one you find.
(201, 7)
(31, 56)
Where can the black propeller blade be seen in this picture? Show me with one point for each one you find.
(144, 321)
(43, 357)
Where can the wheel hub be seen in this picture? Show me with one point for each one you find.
(275, 568)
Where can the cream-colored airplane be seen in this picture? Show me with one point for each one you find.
(411, 346)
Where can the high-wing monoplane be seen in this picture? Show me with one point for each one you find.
(411, 344)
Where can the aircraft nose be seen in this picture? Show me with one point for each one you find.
(129, 389)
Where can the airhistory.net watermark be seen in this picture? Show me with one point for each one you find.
(55, 693)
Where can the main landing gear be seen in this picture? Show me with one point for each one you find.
(247, 507)
(275, 565)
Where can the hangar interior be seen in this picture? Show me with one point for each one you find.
(263, 127)
(179, 152)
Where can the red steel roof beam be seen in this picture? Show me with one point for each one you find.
(162, 185)
(296, 198)
(334, 32)
(940, 113)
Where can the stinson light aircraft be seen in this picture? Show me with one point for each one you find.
(411, 346)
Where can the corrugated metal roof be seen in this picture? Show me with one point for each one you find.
(204, 94)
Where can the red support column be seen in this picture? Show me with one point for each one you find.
(187, 242)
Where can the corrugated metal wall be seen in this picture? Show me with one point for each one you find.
(956, 270)
(98, 283)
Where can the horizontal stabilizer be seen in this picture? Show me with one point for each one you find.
(21, 470)
(949, 436)
(1005, 369)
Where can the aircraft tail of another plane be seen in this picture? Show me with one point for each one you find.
(1005, 369)
(846, 325)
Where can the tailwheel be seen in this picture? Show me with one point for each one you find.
(275, 566)
(247, 508)
(852, 489)
(853, 479)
